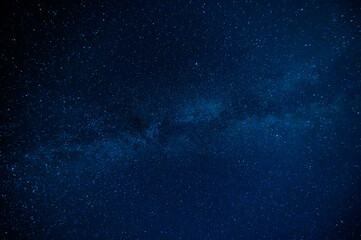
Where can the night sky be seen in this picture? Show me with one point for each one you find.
(180, 120)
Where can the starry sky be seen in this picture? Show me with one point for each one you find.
(180, 120)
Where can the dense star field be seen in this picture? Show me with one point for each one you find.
(180, 120)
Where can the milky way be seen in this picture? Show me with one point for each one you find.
(180, 120)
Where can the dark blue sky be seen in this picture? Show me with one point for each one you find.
(180, 120)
